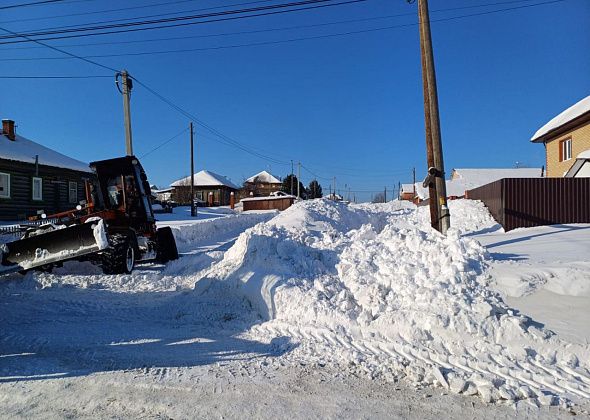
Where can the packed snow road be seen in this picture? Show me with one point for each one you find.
(325, 310)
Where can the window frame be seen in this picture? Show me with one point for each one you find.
(72, 186)
(7, 194)
(565, 150)
(40, 197)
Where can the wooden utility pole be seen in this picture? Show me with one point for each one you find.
(127, 85)
(193, 212)
(385, 195)
(291, 176)
(414, 183)
(298, 178)
(439, 213)
(334, 188)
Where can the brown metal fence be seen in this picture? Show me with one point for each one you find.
(526, 202)
(271, 203)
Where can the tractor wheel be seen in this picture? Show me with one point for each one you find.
(119, 257)
(165, 245)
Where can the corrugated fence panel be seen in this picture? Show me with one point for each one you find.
(526, 202)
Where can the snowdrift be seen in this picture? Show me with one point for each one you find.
(373, 286)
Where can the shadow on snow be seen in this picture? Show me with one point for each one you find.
(69, 331)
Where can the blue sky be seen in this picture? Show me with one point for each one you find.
(345, 106)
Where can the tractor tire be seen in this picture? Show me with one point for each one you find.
(165, 245)
(120, 256)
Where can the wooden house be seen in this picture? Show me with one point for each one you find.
(566, 138)
(210, 189)
(262, 184)
(36, 179)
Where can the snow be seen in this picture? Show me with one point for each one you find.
(566, 116)
(476, 177)
(584, 155)
(407, 188)
(25, 150)
(264, 177)
(468, 179)
(322, 310)
(396, 298)
(206, 179)
(100, 234)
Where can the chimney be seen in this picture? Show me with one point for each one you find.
(8, 129)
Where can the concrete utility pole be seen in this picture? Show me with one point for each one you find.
(439, 212)
(193, 212)
(127, 85)
(298, 178)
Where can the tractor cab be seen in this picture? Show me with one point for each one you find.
(123, 190)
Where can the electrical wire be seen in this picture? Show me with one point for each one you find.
(127, 19)
(287, 28)
(55, 77)
(283, 41)
(62, 51)
(253, 10)
(221, 137)
(164, 143)
(34, 3)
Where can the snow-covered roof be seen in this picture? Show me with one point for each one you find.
(476, 177)
(566, 116)
(22, 149)
(265, 177)
(206, 179)
(455, 188)
(407, 188)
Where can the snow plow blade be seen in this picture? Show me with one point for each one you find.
(53, 246)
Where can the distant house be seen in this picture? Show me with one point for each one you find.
(207, 184)
(407, 192)
(463, 180)
(34, 178)
(566, 137)
(162, 195)
(262, 184)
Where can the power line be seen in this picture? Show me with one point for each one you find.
(164, 143)
(130, 20)
(183, 19)
(34, 3)
(61, 51)
(55, 77)
(99, 11)
(263, 43)
(223, 138)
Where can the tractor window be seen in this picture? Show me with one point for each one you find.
(115, 191)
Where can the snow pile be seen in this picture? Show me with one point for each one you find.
(190, 233)
(375, 287)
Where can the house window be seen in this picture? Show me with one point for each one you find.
(565, 150)
(73, 192)
(4, 185)
(37, 188)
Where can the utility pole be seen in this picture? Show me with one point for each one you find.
(291, 176)
(298, 178)
(193, 213)
(334, 188)
(385, 195)
(439, 212)
(127, 85)
(414, 183)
